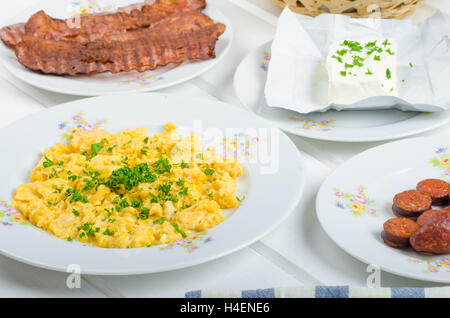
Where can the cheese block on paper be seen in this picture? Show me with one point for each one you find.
(359, 69)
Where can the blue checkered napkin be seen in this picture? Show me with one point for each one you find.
(326, 292)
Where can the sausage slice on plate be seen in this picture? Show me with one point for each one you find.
(411, 203)
(398, 231)
(434, 235)
(425, 215)
(439, 190)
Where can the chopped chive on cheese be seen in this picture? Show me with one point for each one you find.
(372, 67)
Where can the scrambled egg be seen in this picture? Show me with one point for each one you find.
(127, 190)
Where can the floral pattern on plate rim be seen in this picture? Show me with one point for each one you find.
(442, 160)
(313, 124)
(265, 62)
(79, 123)
(191, 244)
(76, 123)
(433, 266)
(10, 216)
(357, 204)
(90, 7)
(142, 79)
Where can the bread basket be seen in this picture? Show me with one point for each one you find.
(387, 9)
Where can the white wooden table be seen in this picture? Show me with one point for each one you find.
(297, 253)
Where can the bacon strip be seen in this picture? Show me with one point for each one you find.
(143, 53)
(86, 28)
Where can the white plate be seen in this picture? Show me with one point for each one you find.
(265, 206)
(356, 199)
(348, 126)
(107, 83)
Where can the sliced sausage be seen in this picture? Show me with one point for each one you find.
(439, 190)
(411, 203)
(425, 215)
(398, 231)
(434, 235)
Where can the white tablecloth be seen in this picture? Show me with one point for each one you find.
(297, 253)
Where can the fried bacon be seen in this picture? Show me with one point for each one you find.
(144, 53)
(87, 28)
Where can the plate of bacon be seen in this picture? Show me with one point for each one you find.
(91, 48)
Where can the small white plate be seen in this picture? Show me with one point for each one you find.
(272, 183)
(346, 126)
(356, 199)
(107, 83)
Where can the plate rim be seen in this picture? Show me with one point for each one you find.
(330, 137)
(6, 64)
(321, 215)
(200, 260)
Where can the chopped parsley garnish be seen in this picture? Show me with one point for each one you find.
(240, 200)
(357, 61)
(109, 232)
(96, 148)
(48, 163)
(76, 196)
(354, 46)
(338, 58)
(88, 186)
(347, 65)
(184, 191)
(178, 229)
(135, 203)
(377, 58)
(162, 166)
(208, 171)
(165, 188)
(343, 73)
(87, 230)
(57, 189)
(369, 72)
(50, 204)
(122, 205)
(410, 64)
(159, 221)
(146, 140)
(184, 165)
(388, 73)
(69, 239)
(144, 150)
(109, 212)
(144, 213)
(72, 177)
(130, 178)
(390, 52)
(180, 183)
(75, 212)
(110, 149)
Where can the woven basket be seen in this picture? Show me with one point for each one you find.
(389, 9)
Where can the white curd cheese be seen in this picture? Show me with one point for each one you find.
(361, 69)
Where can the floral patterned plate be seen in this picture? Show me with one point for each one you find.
(356, 199)
(348, 126)
(107, 83)
(271, 162)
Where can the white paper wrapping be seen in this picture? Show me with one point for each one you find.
(297, 77)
